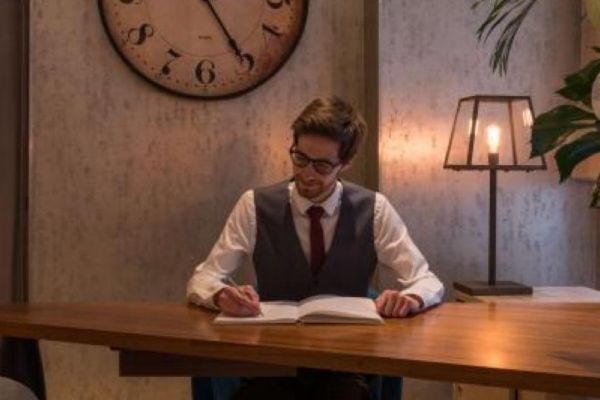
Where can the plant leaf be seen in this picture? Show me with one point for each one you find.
(515, 12)
(595, 202)
(500, 11)
(552, 128)
(578, 86)
(571, 154)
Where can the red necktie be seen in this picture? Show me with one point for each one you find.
(317, 244)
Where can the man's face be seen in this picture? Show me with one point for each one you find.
(311, 184)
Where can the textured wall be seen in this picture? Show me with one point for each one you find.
(131, 186)
(429, 59)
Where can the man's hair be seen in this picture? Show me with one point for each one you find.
(335, 119)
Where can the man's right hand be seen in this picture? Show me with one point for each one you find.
(241, 301)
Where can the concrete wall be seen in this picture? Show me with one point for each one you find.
(430, 59)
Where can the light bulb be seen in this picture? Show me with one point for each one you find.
(493, 138)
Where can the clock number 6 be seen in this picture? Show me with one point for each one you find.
(278, 3)
(205, 72)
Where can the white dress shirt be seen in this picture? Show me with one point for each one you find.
(394, 247)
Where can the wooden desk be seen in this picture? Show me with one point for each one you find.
(543, 294)
(546, 347)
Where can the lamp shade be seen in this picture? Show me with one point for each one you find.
(492, 124)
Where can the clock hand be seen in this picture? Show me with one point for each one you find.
(230, 40)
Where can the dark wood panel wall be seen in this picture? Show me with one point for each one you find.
(13, 148)
(371, 57)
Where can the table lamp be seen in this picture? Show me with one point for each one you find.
(492, 133)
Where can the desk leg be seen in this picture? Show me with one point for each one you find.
(476, 392)
(21, 361)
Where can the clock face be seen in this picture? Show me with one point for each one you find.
(205, 48)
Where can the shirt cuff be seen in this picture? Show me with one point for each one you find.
(204, 298)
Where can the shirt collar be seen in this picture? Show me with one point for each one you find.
(330, 204)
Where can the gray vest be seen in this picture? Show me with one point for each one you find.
(282, 270)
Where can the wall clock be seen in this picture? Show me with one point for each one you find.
(210, 49)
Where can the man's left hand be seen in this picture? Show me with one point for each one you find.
(391, 303)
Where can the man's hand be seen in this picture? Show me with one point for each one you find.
(391, 303)
(241, 301)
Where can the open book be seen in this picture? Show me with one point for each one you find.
(322, 309)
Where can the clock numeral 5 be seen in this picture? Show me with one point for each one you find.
(205, 72)
(247, 62)
(278, 3)
(166, 69)
(139, 35)
(131, 1)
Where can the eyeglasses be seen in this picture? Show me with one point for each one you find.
(323, 167)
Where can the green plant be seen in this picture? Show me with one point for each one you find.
(511, 13)
(572, 129)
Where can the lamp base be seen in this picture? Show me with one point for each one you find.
(501, 288)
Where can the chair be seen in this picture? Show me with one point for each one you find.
(13, 390)
(223, 388)
(21, 370)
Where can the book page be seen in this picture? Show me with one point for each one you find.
(338, 309)
(273, 312)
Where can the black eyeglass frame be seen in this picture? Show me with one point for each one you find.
(321, 166)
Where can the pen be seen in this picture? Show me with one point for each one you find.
(230, 280)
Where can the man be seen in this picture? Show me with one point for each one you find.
(315, 235)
